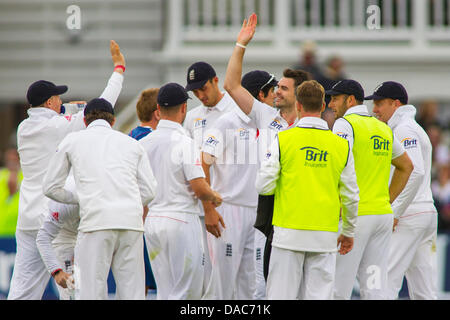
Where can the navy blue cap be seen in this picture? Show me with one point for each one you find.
(198, 74)
(99, 104)
(41, 90)
(258, 80)
(389, 89)
(349, 87)
(172, 94)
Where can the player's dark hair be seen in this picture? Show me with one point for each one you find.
(265, 91)
(299, 76)
(97, 114)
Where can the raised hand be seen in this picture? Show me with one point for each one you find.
(247, 30)
(116, 55)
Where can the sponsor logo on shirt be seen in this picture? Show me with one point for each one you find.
(342, 135)
(275, 124)
(55, 216)
(212, 141)
(68, 117)
(199, 123)
(409, 143)
(315, 157)
(244, 134)
(380, 145)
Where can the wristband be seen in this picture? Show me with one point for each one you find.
(120, 66)
(241, 45)
(54, 273)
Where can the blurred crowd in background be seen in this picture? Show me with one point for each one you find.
(430, 115)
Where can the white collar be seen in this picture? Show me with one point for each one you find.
(406, 111)
(312, 122)
(221, 105)
(361, 110)
(41, 112)
(169, 124)
(99, 123)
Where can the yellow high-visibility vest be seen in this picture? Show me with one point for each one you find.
(307, 192)
(372, 152)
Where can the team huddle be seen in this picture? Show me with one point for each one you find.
(248, 196)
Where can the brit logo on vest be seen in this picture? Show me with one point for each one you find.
(380, 145)
(315, 157)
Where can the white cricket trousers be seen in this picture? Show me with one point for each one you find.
(30, 276)
(300, 275)
(260, 285)
(410, 255)
(206, 259)
(97, 252)
(232, 255)
(175, 249)
(367, 261)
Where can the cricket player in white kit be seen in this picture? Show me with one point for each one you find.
(375, 148)
(308, 195)
(202, 80)
(114, 182)
(37, 139)
(269, 121)
(56, 241)
(172, 228)
(415, 216)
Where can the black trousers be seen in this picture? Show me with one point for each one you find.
(263, 223)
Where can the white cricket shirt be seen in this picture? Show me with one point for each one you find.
(416, 197)
(269, 122)
(112, 175)
(307, 240)
(175, 160)
(233, 142)
(202, 118)
(37, 139)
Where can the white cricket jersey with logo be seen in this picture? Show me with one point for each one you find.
(202, 118)
(233, 142)
(417, 195)
(37, 139)
(269, 122)
(170, 150)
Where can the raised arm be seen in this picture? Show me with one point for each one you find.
(114, 86)
(233, 75)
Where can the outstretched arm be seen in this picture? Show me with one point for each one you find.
(233, 75)
(114, 87)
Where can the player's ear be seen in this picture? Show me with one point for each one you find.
(85, 123)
